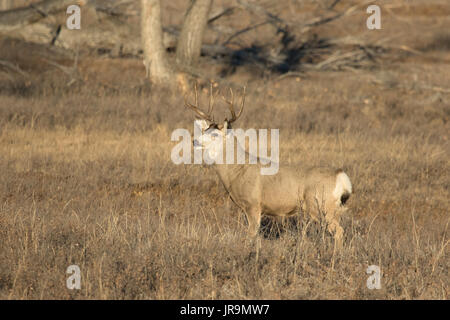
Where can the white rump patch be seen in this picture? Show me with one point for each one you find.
(343, 185)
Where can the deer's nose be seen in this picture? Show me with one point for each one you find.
(197, 144)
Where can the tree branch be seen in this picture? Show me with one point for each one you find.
(20, 17)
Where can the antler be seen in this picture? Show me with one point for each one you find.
(195, 108)
(231, 105)
(208, 116)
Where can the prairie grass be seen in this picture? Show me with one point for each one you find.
(87, 179)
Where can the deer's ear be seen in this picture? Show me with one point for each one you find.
(227, 125)
(201, 124)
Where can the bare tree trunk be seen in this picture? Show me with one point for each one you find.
(190, 41)
(152, 43)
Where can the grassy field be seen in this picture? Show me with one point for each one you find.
(87, 180)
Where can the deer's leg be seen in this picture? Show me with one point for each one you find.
(335, 229)
(254, 220)
(317, 205)
(313, 206)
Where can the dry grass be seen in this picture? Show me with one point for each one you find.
(87, 179)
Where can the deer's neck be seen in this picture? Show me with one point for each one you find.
(230, 172)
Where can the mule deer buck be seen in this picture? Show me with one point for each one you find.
(318, 191)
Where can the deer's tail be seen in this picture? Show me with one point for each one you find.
(343, 188)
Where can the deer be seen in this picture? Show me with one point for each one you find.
(321, 192)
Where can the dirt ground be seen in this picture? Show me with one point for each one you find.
(87, 178)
